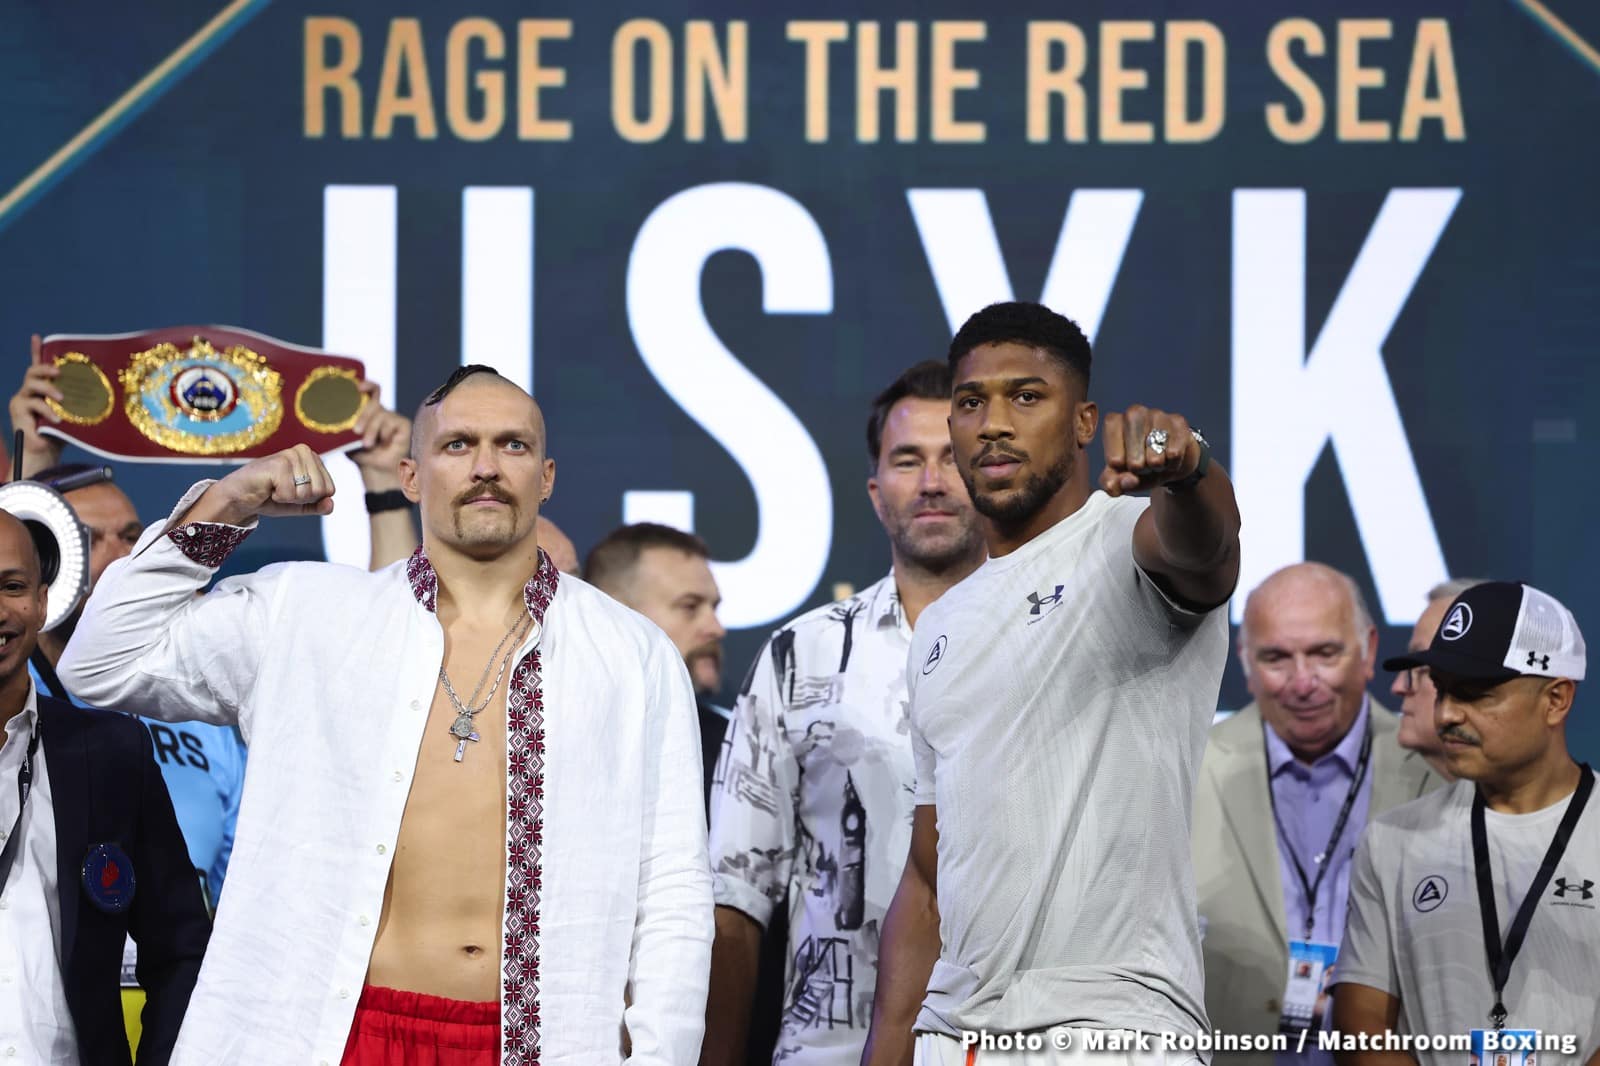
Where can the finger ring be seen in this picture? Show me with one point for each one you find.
(302, 479)
(1156, 441)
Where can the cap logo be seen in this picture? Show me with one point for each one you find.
(1455, 627)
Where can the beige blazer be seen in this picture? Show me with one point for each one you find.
(1240, 887)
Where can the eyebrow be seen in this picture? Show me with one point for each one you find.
(446, 434)
(1009, 383)
(1279, 649)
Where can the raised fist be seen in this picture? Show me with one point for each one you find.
(292, 482)
(1134, 463)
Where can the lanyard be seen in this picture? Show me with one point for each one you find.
(1500, 959)
(1309, 887)
(8, 854)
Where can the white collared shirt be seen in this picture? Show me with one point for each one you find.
(35, 1022)
(329, 672)
(812, 803)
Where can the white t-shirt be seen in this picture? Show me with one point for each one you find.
(1059, 707)
(1415, 930)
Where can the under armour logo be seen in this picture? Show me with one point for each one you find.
(935, 655)
(1041, 602)
(1455, 627)
(1563, 886)
(1542, 660)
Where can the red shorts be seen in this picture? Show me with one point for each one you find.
(394, 1028)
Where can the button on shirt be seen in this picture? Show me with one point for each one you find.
(813, 805)
(35, 1022)
(329, 672)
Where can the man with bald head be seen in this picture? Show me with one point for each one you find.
(558, 546)
(471, 832)
(1286, 787)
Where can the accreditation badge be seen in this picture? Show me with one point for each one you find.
(130, 963)
(212, 394)
(1505, 1047)
(1306, 996)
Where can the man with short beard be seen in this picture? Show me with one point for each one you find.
(665, 575)
(812, 811)
(1060, 697)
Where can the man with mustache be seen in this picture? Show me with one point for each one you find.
(1418, 731)
(469, 832)
(1059, 701)
(665, 575)
(1286, 787)
(1476, 906)
(812, 813)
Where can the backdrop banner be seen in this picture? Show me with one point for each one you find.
(1354, 244)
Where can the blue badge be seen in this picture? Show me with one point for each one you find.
(108, 878)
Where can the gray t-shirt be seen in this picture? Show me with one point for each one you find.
(1059, 707)
(1415, 930)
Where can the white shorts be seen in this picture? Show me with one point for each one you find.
(1050, 1047)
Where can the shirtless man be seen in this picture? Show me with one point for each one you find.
(472, 781)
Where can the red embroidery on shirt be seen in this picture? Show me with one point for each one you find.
(424, 581)
(519, 998)
(525, 837)
(207, 543)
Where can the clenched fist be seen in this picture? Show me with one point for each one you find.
(1134, 463)
(292, 482)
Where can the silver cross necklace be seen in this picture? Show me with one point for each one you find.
(461, 728)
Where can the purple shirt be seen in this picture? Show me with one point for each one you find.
(1308, 799)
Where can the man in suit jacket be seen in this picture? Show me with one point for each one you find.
(1273, 783)
(91, 854)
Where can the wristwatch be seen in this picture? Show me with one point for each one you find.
(1200, 469)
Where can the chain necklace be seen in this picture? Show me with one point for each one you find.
(461, 728)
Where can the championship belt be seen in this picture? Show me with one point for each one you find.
(201, 394)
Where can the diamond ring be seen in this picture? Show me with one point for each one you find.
(1156, 442)
(301, 479)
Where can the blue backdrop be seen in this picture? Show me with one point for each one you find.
(1354, 243)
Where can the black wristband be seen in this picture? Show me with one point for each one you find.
(1200, 468)
(392, 500)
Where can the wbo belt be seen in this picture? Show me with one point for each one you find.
(207, 394)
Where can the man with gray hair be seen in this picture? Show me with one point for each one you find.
(1418, 731)
(1273, 877)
